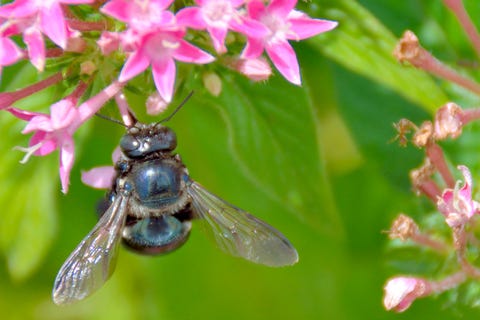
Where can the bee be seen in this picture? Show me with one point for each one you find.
(150, 207)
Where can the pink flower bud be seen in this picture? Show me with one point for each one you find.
(156, 104)
(400, 292)
(254, 69)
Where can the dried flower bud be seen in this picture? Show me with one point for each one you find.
(408, 48)
(403, 127)
(448, 121)
(403, 228)
(400, 292)
(422, 181)
(423, 135)
(76, 44)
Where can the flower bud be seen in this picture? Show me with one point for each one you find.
(400, 292)
(448, 121)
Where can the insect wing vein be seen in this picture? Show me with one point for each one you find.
(239, 233)
(93, 261)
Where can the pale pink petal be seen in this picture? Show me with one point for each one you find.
(117, 154)
(164, 72)
(9, 52)
(88, 108)
(66, 162)
(191, 17)
(284, 58)
(41, 123)
(281, 8)
(253, 49)
(119, 9)
(53, 24)
(218, 38)
(135, 64)
(99, 178)
(33, 38)
(303, 28)
(62, 114)
(189, 53)
(18, 9)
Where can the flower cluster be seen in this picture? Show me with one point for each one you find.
(434, 179)
(117, 40)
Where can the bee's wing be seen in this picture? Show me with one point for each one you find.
(239, 233)
(93, 261)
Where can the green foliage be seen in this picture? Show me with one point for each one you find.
(316, 162)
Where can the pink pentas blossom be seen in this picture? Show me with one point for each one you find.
(160, 49)
(141, 15)
(36, 18)
(284, 23)
(55, 130)
(457, 204)
(400, 292)
(218, 17)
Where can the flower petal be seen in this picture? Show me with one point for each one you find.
(218, 36)
(189, 53)
(67, 152)
(164, 72)
(305, 27)
(136, 63)
(284, 58)
(119, 9)
(9, 52)
(253, 49)
(54, 25)
(18, 9)
(191, 17)
(36, 47)
(99, 178)
(281, 8)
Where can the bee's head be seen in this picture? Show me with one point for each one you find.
(144, 139)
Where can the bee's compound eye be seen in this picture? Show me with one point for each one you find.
(129, 143)
(156, 235)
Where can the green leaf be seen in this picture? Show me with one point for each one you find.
(272, 132)
(362, 44)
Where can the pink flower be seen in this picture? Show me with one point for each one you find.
(218, 16)
(153, 38)
(400, 292)
(255, 69)
(34, 18)
(284, 23)
(140, 15)
(457, 204)
(55, 131)
(159, 49)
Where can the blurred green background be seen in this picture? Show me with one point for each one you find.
(316, 162)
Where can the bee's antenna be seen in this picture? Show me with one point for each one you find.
(178, 108)
(111, 119)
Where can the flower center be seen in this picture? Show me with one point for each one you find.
(278, 28)
(161, 46)
(218, 13)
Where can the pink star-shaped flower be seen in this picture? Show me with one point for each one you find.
(55, 131)
(457, 204)
(140, 15)
(34, 18)
(159, 49)
(284, 23)
(218, 16)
